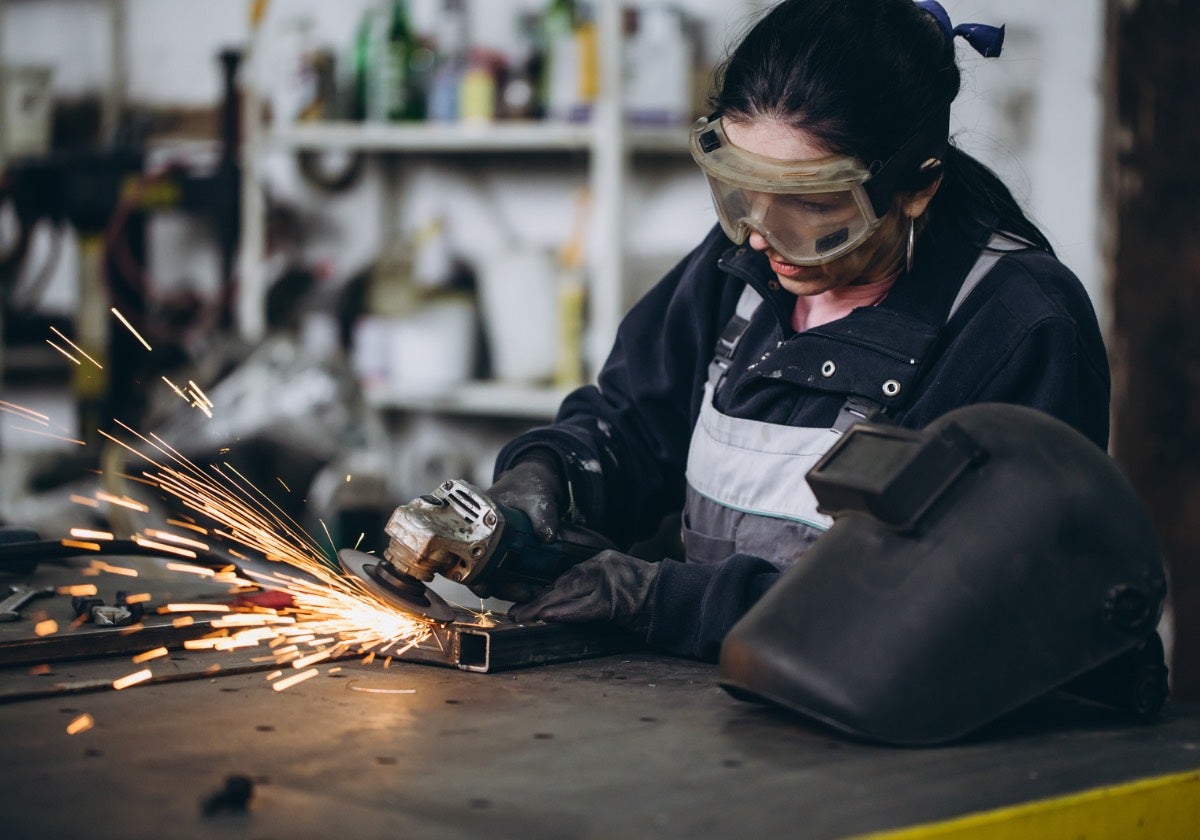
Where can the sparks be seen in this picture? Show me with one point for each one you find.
(330, 615)
(24, 413)
(288, 682)
(129, 327)
(51, 435)
(160, 546)
(150, 654)
(45, 628)
(85, 534)
(80, 724)
(101, 566)
(132, 679)
(68, 356)
(78, 589)
(76, 348)
(122, 501)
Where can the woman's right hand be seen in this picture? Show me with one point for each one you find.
(535, 486)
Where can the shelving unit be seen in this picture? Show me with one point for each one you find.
(606, 141)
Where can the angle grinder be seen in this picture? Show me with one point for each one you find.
(458, 531)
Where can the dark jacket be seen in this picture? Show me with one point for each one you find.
(1026, 335)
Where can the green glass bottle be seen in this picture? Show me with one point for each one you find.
(390, 92)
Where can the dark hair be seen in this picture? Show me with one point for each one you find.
(863, 76)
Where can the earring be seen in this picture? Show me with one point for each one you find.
(908, 255)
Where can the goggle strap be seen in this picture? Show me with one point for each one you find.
(928, 141)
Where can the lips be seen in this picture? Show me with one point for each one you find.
(785, 269)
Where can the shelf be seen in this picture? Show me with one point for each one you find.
(521, 136)
(489, 399)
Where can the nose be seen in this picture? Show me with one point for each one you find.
(756, 241)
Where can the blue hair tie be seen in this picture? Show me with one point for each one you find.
(985, 40)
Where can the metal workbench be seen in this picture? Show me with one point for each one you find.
(629, 745)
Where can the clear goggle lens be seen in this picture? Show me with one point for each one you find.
(804, 228)
(810, 212)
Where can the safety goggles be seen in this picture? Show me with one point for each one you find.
(810, 212)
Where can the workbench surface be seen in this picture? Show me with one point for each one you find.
(628, 745)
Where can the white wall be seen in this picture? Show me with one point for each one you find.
(1033, 114)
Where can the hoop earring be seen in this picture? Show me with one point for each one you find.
(908, 254)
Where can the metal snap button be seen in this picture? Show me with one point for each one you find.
(891, 388)
(828, 369)
(773, 285)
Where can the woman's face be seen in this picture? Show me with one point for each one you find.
(874, 259)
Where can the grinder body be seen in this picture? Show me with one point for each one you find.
(461, 533)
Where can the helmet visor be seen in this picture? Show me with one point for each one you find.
(810, 212)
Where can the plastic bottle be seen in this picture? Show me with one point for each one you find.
(560, 78)
(451, 63)
(658, 68)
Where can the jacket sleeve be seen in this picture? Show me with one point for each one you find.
(693, 605)
(623, 442)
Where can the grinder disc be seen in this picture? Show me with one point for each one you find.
(399, 590)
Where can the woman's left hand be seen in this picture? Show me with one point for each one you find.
(611, 586)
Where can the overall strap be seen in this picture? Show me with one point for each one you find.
(731, 335)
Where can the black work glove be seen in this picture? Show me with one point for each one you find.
(611, 587)
(535, 486)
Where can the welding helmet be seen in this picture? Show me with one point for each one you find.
(813, 211)
(972, 567)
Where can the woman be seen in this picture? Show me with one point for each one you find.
(862, 266)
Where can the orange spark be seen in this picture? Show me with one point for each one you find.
(129, 327)
(132, 679)
(101, 566)
(68, 356)
(288, 682)
(167, 536)
(170, 608)
(176, 389)
(85, 534)
(25, 413)
(190, 569)
(78, 589)
(170, 549)
(122, 501)
(86, 546)
(50, 435)
(150, 654)
(80, 724)
(45, 628)
(183, 621)
(76, 348)
(200, 394)
(189, 525)
(83, 500)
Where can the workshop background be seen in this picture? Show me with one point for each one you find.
(221, 225)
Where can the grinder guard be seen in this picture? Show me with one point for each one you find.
(1028, 563)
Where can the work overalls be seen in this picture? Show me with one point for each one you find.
(746, 487)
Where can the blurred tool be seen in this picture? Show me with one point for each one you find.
(18, 597)
(457, 531)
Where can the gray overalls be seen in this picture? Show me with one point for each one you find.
(746, 491)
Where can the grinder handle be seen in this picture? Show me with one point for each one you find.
(521, 555)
